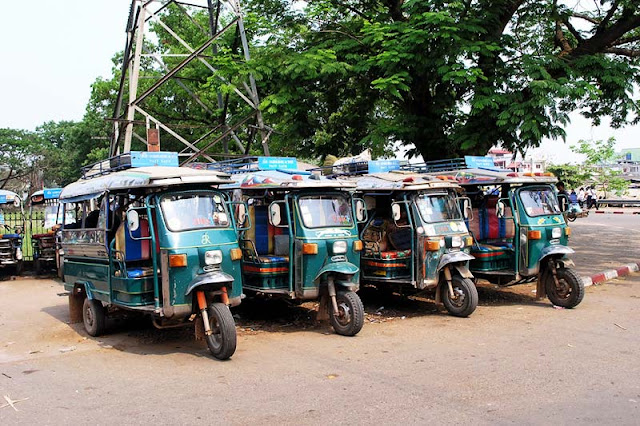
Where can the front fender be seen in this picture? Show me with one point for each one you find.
(554, 251)
(345, 268)
(215, 277)
(455, 257)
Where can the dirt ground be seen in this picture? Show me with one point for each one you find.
(515, 360)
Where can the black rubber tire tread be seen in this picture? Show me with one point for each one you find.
(356, 308)
(471, 297)
(37, 267)
(226, 324)
(575, 282)
(97, 327)
(19, 267)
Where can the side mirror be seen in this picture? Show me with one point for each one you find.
(465, 206)
(133, 220)
(361, 211)
(241, 213)
(500, 208)
(397, 211)
(277, 214)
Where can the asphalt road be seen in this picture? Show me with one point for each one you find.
(515, 360)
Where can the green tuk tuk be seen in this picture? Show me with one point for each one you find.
(520, 232)
(11, 229)
(416, 238)
(156, 240)
(302, 242)
(44, 244)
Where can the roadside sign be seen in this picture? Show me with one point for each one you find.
(3, 199)
(475, 162)
(52, 193)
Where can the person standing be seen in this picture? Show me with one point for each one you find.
(581, 196)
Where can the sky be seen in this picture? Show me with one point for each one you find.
(61, 47)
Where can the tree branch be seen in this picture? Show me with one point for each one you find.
(395, 9)
(607, 18)
(632, 53)
(561, 41)
(572, 30)
(586, 18)
(626, 40)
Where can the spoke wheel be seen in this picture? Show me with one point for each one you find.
(222, 341)
(93, 317)
(350, 318)
(465, 297)
(569, 291)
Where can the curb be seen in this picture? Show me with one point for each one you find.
(614, 212)
(611, 274)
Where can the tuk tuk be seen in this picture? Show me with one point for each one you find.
(44, 244)
(302, 242)
(160, 241)
(11, 229)
(416, 239)
(520, 232)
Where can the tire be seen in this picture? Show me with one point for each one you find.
(222, 341)
(93, 317)
(351, 318)
(60, 266)
(571, 290)
(37, 266)
(466, 297)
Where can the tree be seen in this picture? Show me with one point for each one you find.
(600, 156)
(449, 78)
(20, 152)
(574, 176)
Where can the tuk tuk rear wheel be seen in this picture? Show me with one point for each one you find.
(350, 319)
(93, 317)
(222, 340)
(465, 299)
(570, 289)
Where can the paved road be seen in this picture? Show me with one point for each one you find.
(605, 241)
(514, 361)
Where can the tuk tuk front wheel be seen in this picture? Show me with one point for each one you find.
(222, 340)
(568, 292)
(465, 299)
(93, 317)
(350, 318)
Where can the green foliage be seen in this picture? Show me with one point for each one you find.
(600, 156)
(573, 176)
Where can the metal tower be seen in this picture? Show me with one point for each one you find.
(133, 119)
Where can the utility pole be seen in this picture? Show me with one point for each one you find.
(135, 121)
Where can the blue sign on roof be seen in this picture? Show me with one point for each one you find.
(382, 166)
(474, 162)
(3, 199)
(277, 163)
(52, 193)
(147, 159)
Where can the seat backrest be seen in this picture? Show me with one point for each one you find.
(134, 249)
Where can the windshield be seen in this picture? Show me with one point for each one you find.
(184, 212)
(325, 211)
(438, 208)
(539, 201)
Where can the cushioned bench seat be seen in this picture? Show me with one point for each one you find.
(267, 265)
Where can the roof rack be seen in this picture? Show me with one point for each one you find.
(130, 160)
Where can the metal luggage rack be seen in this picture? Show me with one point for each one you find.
(234, 166)
(362, 167)
(110, 165)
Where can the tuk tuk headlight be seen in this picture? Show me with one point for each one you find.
(213, 257)
(456, 241)
(339, 247)
(556, 232)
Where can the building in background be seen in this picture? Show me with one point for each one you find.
(505, 159)
(629, 162)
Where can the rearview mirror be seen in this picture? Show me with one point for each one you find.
(277, 214)
(397, 212)
(241, 213)
(133, 220)
(500, 209)
(361, 211)
(467, 209)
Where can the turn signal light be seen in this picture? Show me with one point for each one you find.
(235, 253)
(432, 245)
(309, 248)
(468, 241)
(535, 235)
(177, 260)
(567, 231)
(357, 245)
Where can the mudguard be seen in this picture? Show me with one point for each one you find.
(87, 289)
(455, 257)
(215, 277)
(553, 251)
(345, 268)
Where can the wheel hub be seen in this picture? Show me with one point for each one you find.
(344, 314)
(458, 296)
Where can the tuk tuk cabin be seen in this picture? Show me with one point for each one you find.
(156, 240)
(520, 233)
(44, 243)
(302, 242)
(416, 238)
(11, 231)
